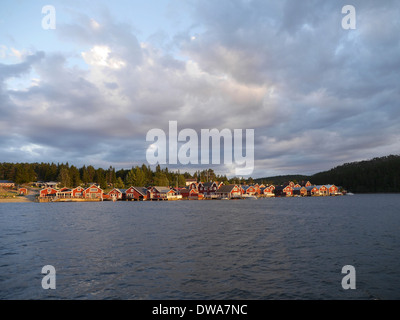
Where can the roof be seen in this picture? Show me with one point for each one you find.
(119, 190)
(141, 190)
(208, 184)
(227, 188)
(6, 181)
(262, 189)
(163, 189)
(299, 188)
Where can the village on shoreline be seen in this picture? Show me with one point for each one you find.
(51, 192)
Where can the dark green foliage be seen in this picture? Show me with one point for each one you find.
(371, 176)
(279, 180)
(71, 176)
(378, 175)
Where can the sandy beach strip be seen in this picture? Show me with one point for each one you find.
(17, 199)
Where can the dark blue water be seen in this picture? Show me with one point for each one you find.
(280, 248)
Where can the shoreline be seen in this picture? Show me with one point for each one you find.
(18, 199)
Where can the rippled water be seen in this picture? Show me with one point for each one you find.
(280, 248)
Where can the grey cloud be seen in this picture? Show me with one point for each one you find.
(316, 95)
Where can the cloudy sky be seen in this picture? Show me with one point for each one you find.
(87, 92)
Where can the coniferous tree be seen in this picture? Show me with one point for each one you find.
(64, 178)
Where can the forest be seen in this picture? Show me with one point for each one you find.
(376, 175)
(71, 176)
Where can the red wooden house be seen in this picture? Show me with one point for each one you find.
(194, 185)
(136, 194)
(93, 193)
(48, 192)
(7, 184)
(257, 188)
(322, 190)
(161, 193)
(250, 190)
(208, 188)
(23, 191)
(191, 194)
(77, 192)
(117, 194)
(332, 189)
(230, 191)
(300, 191)
(288, 190)
(184, 192)
(268, 191)
(64, 193)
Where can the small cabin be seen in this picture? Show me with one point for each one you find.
(136, 194)
(48, 192)
(93, 192)
(22, 191)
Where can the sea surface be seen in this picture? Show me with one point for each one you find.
(266, 249)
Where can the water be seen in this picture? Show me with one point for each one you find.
(291, 248)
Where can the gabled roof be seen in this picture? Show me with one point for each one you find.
(94, 186)
(227, 188)
(262, 189)
(163, 189)
(208, 184)
(119, 190)
(140, 190)
(298, 188)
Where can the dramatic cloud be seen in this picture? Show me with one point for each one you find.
(317, 95)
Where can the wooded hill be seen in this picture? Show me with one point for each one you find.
(369, 176)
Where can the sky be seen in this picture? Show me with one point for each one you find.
(87, 91)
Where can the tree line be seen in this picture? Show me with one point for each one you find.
(377, 175)
(72, 176)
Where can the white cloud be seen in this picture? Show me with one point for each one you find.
(100, 56)
(94, 24)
